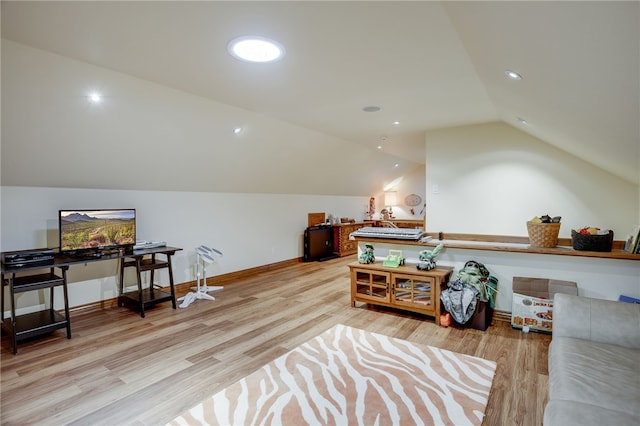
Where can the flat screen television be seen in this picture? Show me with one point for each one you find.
(83, 231)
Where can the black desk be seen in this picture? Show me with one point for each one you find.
(33, 277)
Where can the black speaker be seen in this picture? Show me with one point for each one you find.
(318, 243)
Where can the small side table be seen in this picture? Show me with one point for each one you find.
(23, 326)
(147, 260)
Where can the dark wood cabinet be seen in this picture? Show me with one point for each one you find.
(342, 245)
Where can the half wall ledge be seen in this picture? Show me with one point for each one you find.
(507, 243)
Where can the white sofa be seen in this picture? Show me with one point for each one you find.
(594, 363)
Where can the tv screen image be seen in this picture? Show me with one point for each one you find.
(96, 229)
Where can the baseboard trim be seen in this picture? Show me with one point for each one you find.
(93, 306)
(246, 273)
(500, 315)
(185, 287)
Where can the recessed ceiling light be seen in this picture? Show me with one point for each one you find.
(371, 108)
(379, 146)
(95, 97)
(523, 121)
(255, 49)
(513, 75)
(396, 123)
(237, 130)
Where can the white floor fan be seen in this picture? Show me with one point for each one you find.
(204, 255)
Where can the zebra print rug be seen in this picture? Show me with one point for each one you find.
(349, 376)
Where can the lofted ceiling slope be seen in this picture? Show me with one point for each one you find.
(426, 64)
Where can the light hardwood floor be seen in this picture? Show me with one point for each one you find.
(120, 368)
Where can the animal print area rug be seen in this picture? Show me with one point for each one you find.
(347, 376)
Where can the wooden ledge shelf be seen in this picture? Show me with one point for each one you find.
(507, 243)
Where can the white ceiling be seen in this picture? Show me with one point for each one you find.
(427, 64)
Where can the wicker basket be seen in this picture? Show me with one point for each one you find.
(591, 242)
(543, 234)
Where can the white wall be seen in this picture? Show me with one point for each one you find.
(250, 229)
(412, 182)
(492, 178)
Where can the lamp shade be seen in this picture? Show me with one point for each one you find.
(390, 198)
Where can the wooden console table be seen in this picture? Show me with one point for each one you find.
(404, 287)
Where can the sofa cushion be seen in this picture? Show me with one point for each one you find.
(592, 319)
(603, 375)
(570, 413)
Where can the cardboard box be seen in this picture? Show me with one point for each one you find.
(533, 302)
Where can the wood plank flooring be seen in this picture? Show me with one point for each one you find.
(122, 369)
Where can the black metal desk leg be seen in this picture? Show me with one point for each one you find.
(66, 300)
(2, 298)
(139, 275)
(152, 276)
(173, 290)
(14, 330)
(121, 293)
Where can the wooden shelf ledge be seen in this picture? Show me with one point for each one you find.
(507, 243)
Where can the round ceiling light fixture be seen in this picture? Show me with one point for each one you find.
(95, 97)
(255, 49)
(513, 75)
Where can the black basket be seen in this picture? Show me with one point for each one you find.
(586, 242)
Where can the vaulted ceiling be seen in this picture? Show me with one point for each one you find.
(427, 65)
